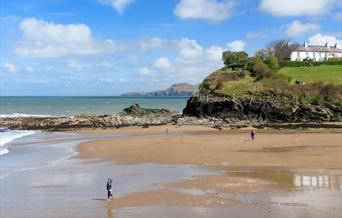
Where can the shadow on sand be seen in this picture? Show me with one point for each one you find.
(99, 199)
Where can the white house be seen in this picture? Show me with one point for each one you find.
(315, 52)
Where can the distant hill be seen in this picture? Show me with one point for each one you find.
(180, 89)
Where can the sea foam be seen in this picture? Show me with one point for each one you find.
(6, 136)
(14, 115)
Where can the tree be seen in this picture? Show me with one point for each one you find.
(281, 49)
(235, 59)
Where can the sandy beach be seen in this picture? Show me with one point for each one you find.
(276, 164)
(177, 171)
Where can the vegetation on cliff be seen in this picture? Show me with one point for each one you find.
(255, 89)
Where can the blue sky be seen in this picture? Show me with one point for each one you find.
(108, 47)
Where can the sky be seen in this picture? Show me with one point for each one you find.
(109, 47)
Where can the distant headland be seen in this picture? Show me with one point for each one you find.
(176, 90)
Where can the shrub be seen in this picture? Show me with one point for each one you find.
(272, 62)
(260, 71)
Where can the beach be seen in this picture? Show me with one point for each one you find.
(182, 171)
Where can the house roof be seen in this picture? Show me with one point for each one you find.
(317, 48)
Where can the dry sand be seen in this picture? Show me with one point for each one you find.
(210, 147)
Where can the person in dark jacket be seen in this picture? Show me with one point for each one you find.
(253, 134)
(109, 188)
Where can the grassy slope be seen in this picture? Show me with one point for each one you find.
(223, 83)
(324, 73)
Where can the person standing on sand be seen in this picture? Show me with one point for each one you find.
(253, 134)
(109, 189)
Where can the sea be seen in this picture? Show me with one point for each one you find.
(69, 106)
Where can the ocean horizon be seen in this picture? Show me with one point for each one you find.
(19, 106)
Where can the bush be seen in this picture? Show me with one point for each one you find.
(260, 70)
(272, 62)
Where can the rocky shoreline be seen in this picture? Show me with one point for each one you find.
(144, 117)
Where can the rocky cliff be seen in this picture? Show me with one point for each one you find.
(234, 98)
(260, 110)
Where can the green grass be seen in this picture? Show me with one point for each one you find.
(239, 87)
(324, 73)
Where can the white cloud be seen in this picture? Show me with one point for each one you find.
(298, 29)
(296, 8)
(30, 69)
(73, 64)
(151, 43)
(106, 64)
(162, 63)
(192, 63)
(144, 71)
(214, 53)
(118, 5)
(236, 45)
(123, 80)
(320, 39)
(189, 50)
(204, 9)
(107, 80)
(46, 39)
(9, 68)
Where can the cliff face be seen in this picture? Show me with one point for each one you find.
(260, 110)
(181, 89)
(233, 97)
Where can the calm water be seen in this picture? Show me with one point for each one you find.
(21, 106)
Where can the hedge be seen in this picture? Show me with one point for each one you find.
(308, 63)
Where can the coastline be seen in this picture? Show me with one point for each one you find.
(192, 168)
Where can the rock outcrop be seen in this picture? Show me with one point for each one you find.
(131, 116)
(267, 109)
(137, 111)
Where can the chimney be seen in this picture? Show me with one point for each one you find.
(326, 44)
(305, 44)
(335, 46)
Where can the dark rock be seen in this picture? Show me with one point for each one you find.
(136, 110)
(260, 110)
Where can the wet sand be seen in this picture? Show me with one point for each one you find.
(289, 166)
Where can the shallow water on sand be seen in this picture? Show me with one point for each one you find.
(303, 193)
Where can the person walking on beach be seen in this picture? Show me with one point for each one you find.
(253, 134)
(109, 189)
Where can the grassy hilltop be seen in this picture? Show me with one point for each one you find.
(325, 73)
(321, 84)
